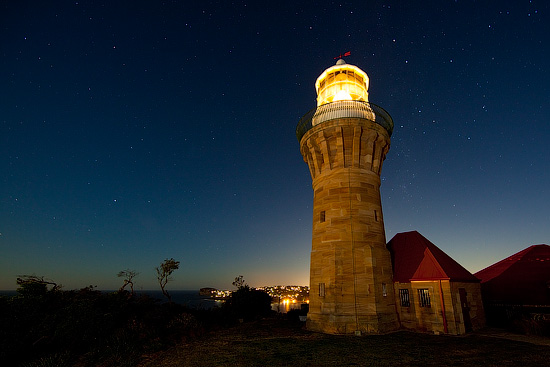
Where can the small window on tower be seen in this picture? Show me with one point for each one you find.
(375, 216)
(384, 290)
(321, 289)
(322, 217)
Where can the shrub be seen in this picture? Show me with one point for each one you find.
(249, 304)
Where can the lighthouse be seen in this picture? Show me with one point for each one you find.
(344, 141)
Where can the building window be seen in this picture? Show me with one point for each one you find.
(384, 290)
(322, 217)
(321, 289)
(424, 298)
(375, 216)
(404, 297)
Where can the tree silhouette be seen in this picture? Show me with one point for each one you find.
(166, 268)
(239, 282)
(128, 275)
(33, 284)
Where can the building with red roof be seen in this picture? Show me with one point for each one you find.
(433, 292)
(522, 279)
(517, 287)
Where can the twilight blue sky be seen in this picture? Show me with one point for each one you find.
(134, 131)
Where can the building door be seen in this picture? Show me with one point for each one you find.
(465, 309)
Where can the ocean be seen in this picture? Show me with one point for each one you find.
(191, 299)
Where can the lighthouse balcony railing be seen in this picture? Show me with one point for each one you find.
(343, 109)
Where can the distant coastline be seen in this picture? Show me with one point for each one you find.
(189, 298)
(284, 298)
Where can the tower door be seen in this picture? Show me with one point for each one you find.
(465, 309)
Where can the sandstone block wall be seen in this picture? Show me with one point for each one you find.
(351, 285)
(416, 317)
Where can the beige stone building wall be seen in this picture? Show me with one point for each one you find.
(417, 317)
(351, 287)
(474, 303)
(406, 313)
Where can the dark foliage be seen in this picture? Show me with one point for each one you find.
(248, 304)
(45, 326)
(294, 315)
(42, 326)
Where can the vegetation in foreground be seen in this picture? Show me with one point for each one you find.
(45, 326)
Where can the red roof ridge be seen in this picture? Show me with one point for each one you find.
(501, 266)
(413, 254)
(429, 268)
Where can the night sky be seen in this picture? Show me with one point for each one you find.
(135, 131)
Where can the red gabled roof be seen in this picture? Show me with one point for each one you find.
(523, 259)
(414, 257)
(523, 278)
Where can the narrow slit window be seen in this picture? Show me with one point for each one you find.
(384, 290)
(321, 289)
(375, 216)
(322, 216)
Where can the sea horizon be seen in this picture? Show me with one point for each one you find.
(189, 298)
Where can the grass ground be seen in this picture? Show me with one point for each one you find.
(281, 343)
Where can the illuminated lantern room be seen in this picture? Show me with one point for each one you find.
(342, 92)
(342, 82)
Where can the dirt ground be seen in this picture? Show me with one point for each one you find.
(503, 334)
(282, 343)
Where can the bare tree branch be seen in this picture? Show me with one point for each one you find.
(128, 276)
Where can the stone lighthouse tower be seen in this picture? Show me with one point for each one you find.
(344, 142)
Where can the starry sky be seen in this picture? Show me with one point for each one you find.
(135, 131)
